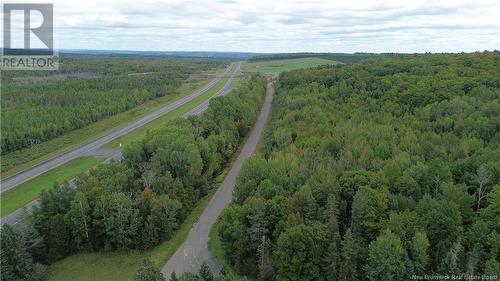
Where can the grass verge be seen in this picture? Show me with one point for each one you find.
(20, 160)
(28, 191)
(277, 66)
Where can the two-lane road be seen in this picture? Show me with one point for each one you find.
(194, 251)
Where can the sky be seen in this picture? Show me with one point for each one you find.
(278, 26)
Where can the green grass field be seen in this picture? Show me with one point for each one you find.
(20, 160)
(28, 191)
(158, 123)
(277, 66)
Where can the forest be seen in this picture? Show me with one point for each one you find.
(140, 201)
(384, 170)
(39, 106)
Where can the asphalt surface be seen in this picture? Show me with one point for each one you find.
(194, 251)
(115, 154)
(226, 89)
(84, 149)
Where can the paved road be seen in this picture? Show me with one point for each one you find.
(115, 154)
(204, 105)
(194, 251)
(43, 167)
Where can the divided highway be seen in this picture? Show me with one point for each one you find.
(84, 149)
(194, 251)
(92, 148)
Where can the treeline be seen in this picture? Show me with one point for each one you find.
(341, 57)
(110, 64)
(384, 170)
(86, 89)
(142, 200)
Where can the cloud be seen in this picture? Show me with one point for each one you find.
(279, 26)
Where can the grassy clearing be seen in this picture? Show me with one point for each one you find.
(139, 133)
(277, 66)
(28, 191)
(20, 160)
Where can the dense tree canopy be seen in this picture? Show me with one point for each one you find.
(374, 171)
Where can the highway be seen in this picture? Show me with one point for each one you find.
(115, 154)
(84, 149)
(204, 105)
(194, 251)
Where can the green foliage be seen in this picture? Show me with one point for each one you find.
(419, 253)
(368, 211)
(386, 258)
(408, 144)
(442, 222)
(78, 219)
(205, 272)
(491, 213)
(348, 270)
(148, 272)
(117, 220)
(299, 251)
(16, 260)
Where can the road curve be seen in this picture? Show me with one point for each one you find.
(43, 167)
(194, 251)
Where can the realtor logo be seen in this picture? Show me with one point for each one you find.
(28, 56)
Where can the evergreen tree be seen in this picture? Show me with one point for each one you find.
(205, 272)
(419, 252)
(348, 262)
(148, 272)
(16, 261)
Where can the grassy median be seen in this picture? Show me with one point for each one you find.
(28, 191)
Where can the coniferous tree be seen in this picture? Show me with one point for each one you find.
(148, 272)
